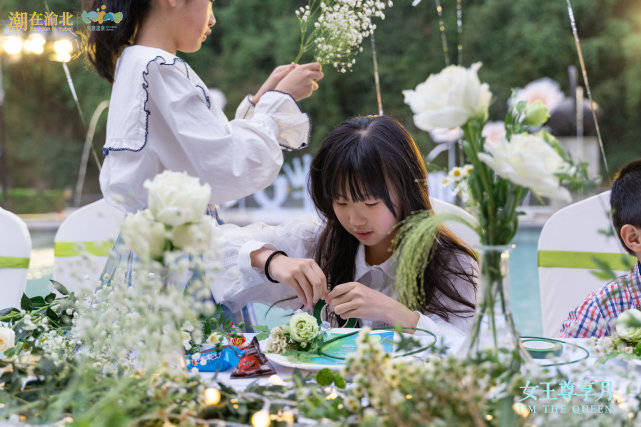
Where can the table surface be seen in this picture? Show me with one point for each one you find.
(616, 371)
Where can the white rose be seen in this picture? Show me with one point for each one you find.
(449, 99)
(7, 339)
(193, 237)
(527, 160)
(143, 235)
(176, 198)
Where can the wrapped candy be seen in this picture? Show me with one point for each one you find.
(215, 361)
(253, 363)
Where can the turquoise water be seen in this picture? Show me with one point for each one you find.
(524, 284)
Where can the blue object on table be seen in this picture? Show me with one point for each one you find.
(215, 361)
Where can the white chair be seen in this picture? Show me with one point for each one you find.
(460, 230)
(83, 243)
(15, 252)
(569, 242)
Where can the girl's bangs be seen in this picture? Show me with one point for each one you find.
(356, 176)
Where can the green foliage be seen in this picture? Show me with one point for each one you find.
(517, 41)
(31, 200)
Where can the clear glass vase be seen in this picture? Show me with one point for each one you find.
(493, 327)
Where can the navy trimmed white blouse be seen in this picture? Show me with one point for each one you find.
(161, 117)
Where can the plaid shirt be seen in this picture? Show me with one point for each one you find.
(596, 316)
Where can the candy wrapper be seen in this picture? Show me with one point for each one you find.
(253, 363)
(215, 361)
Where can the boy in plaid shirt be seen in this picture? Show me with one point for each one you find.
(595, 316)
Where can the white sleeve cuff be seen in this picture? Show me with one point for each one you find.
(294, 125)
(250, 273)
(245, 109)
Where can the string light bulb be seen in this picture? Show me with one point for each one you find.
(212, 396)
(12, 45)
(62, 50)
(261, 418)
(35, 44)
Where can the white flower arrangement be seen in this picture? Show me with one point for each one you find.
(300, 334)
(335, 29)
(449, 99)
(529, 161)
(174, 221)
(544, 90)
(7, 339)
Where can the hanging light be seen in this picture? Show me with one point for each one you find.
(261, 418)
(35, 44)
(212, 396)
(62, 49)
(12, 45)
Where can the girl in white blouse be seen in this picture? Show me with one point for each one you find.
(161, 116)
(367, 177)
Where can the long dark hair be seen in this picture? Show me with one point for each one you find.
(104, 47)
(362, 156)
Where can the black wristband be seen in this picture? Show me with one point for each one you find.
(269, 259)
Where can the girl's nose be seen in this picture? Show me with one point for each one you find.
(357, 219)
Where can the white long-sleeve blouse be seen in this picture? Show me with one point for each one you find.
(237, 283)
(161, 117)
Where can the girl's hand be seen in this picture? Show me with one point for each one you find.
(354, 299)
(272, 81)
(304, 276)
(302, 81)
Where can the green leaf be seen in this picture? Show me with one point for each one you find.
(25, 303)
(9, 310)
(637, 349)
(325, 377)
(50, 298)
(59, 287)
(339, 380)
(37, 302)
(263, 332)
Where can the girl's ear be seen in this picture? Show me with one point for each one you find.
(631, 236)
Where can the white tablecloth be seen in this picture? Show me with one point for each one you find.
(621, 374)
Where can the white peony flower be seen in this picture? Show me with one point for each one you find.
(193, 237)
(625, 328)
(176, 198)
(527, 160)
(7, 339)
(449, 99)
(545, 90)
(493, 132)
(143, 235)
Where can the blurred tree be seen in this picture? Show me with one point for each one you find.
(517, 41)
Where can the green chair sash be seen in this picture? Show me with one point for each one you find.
(584, 260)
(13, 262)
(71, 249)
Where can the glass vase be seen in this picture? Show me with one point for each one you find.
(493, 327)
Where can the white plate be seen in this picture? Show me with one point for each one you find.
(336, 364)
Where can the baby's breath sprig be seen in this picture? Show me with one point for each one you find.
(335, 29)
